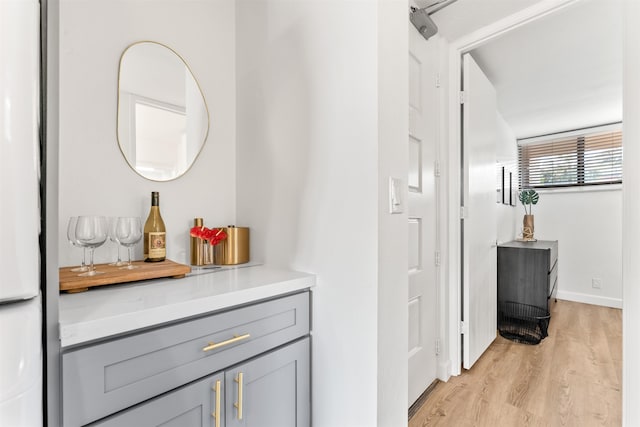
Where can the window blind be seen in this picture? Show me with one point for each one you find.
(584, 159)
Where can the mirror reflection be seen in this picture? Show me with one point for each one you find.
(163, 119)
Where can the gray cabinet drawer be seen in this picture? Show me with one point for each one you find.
(107, 377)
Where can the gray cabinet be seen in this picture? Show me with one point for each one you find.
(191, 406)
(270, 390)
(528, 272)
(179, 359)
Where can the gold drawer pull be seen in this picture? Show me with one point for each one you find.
(236, 338)
(216, 414)
(238, 405)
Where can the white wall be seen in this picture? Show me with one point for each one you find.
(631, 213)
(307, 174)
(321, 99)
(94, 177)
(393, 245)
(507, 153)
(588, 227)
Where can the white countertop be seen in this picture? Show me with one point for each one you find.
(103, 312)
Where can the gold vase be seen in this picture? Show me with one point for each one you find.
(527, 227)
(197, 252)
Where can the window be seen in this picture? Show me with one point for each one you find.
(578, 158)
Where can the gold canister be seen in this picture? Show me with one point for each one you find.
(235, 248)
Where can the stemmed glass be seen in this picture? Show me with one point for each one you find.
(114, 238)
(91, 231)
(129, 232)
(71, 236)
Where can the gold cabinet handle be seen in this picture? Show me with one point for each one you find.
(216, 413)
(236, 338)
(238, 405)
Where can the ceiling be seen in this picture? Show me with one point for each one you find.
(560, 72)
(465, 16)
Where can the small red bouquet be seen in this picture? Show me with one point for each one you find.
(211, 235)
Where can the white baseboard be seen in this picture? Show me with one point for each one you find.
(443, 370)
(590, 299)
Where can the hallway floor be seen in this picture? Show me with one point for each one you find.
(572, 378)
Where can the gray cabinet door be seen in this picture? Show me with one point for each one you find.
(190, 406)
(272, 390)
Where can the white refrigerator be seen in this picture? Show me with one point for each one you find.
(21, 355)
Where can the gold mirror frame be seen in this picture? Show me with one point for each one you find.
(205, 134)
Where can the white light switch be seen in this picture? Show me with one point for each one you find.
(396, 204)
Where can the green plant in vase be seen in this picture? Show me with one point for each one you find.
(528, 198)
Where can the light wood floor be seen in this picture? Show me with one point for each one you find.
(572, 378)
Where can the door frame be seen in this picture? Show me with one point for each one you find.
(457, 48)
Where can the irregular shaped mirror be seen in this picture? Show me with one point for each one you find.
(163, 120)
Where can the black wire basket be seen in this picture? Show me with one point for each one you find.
(523, 323)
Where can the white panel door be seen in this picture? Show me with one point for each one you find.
(479, 287)
(422, 302)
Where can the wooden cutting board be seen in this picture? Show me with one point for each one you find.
(70, 281)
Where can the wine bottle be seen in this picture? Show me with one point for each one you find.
(155, 234)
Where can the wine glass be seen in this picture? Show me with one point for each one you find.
(114, 238)
(92, 231)
(129, 232)
(71, 236)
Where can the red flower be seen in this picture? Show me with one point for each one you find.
(197, 232)
(208, 234)
(212, 235)
(219, 236)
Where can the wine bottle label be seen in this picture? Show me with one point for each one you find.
(157, 245)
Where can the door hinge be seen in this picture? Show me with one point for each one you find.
(437, 80)
(463, 97)
(436, 169)
(437, 347)
(463, 212)
(464, 327)
(437, 258)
